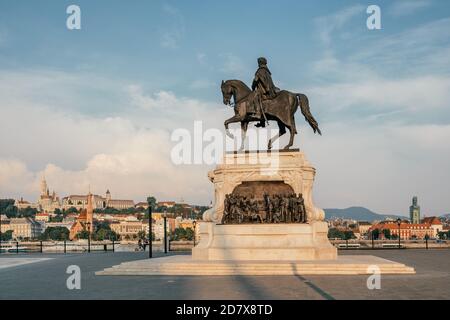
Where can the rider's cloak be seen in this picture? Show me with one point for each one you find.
(263, 83)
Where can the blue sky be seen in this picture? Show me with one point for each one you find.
(99, 98)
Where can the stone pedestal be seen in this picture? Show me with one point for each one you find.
(261, 249)
(287, 242)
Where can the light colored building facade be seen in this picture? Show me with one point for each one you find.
(407, 230)
(128, 228)
(67, 225)
(42, 217)
(80, 202)
(143, 205)
(23, 204)
(364, 227)
(158, 227)
(167, 204)
(25, 228)
(435, 224)
(5, 223)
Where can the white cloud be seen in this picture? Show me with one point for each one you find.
(413, 94)
(201, 58)
(407, 7)
(327, 25)
(172, 34)
(381, 167)
(128, 153)
(420, 50)
(233, 65)
(202, 84)
(15, 178)
(160, 99)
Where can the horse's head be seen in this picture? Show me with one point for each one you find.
(227, 92)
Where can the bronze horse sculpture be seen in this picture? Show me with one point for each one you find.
(281, 109)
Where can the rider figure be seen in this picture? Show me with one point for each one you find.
(263, 89)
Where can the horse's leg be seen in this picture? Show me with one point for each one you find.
(281, 131)
(291, 139)
(233, 119)
(244, 126)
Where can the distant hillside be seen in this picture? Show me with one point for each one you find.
(358, 213)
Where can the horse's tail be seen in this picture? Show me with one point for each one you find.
(304, 106)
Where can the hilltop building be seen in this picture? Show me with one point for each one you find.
(47, 201)
(23, 204)
(98, 202)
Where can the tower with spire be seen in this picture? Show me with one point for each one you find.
(414, 211)
(48, 202)
(44, 187)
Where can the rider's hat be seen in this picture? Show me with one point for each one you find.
(262, 61)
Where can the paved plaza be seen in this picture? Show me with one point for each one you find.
(29, 276)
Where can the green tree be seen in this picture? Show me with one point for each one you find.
(376, 234)
(348, 235)
(105, 234)
(55, 233)
(5, 203)
(152, 202)
(11, 211)
(179, 234)
(27, 212)
(189, 234)
(7, 236)
(56, 219)
(83, 234)
(71, 210)
(141, 235)
(387, 233)
(112, 211)
(444, 235)
(334, 233)
(183, 234)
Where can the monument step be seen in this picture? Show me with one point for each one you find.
(182, 265)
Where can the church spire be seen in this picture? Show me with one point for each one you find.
(44, 187)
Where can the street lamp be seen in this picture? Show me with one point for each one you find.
(88, 225)
(165, 231)
(399, 223)
(0, 233)
(195, 233)
(150, 240)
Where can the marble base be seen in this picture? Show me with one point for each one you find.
(277, 242)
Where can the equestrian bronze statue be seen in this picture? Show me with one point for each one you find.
(263, 103)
